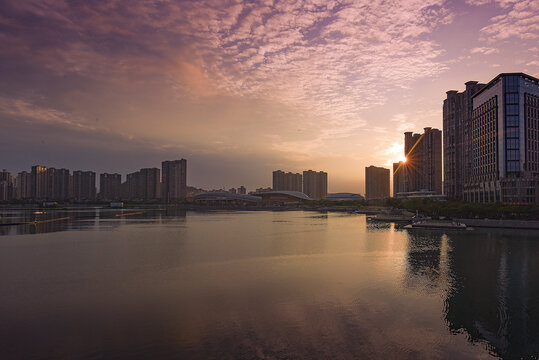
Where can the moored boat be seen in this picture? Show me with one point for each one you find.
(438, 225)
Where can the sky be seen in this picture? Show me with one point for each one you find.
(242, 88)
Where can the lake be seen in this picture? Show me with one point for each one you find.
(171, 284)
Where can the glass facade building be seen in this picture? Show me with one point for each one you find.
(505, 139)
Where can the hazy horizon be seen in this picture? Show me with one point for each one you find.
(240, 89)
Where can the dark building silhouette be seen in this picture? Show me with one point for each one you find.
(174, 183)
(505, 141)
(423, 167)
(110, 187)
(315, 184)
(144, 185)
(84, 186)
(38, 182)
(47, 184)
(58, 184)
(23, 185)
(7, 186)
(376, 182)
(457, 134)
(287, 181)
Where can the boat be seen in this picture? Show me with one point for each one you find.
(438, 225)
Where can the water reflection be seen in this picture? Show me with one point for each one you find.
(37, 221)
(495, 292)
(164, 284)
(490, 283)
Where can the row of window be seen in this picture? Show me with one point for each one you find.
(512, 109)
(484, 170)
(511, 83)
(512, 166)
(511, 98)
(531, 100)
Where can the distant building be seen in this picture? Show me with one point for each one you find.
(23, 185)
(84, 186)
(38, 182)
(344, 197)
(377, 182)
(174, 180)
(261, 190)
(457, 135)
(110, 187)
(7, 186)
(242, 190)
(49, 184)
(423, 167)
(399, 178)
(505, 141)
(315, 184)
(282, 196)
(287, 181)
(144, 185)
(58, 184)
(232, 191)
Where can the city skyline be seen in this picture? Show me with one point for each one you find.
(241, 89)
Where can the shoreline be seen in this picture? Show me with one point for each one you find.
(476, 223)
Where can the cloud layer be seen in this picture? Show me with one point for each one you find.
(307, 83)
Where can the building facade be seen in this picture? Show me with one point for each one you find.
(287, 181)
(376, 182)
(457, 136)
(23, 185)
(110, 187)
(38, 182)
(174, 183)
(315, 184)
(144, 185)
(505, 141)
(7, 186)
(423, 167)
(83, 186)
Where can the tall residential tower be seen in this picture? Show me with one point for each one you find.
(457, 134)
(376, 182)
(174, 180)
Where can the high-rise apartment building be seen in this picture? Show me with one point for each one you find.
(110, 187)
(287, 181)
(423, 167)
(242, 190)
(399, 178)
(144, 185)
(7, 186)
(38, 182)
(457, 135)
(84, 186)
(505, 141)
(47, 184)
(174, 183)
(315, 184)
(376, 182)
(23, 184)
(58, 184)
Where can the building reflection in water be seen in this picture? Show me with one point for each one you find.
(83, 219)
(490, 284)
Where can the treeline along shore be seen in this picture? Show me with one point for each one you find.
(424, 207)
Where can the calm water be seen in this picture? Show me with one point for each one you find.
(262, 285)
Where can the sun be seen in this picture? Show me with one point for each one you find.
(403, 159)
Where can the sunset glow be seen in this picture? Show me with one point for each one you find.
(243, 88)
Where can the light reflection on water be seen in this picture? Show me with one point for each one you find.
(228, 285)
